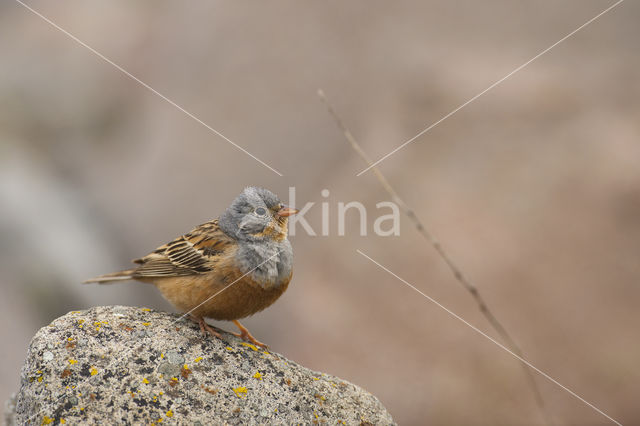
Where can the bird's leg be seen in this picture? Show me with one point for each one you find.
(204, 327)
(245, 335)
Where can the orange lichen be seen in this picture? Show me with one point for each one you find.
(185, 372)
(125, 327)
(209, 390)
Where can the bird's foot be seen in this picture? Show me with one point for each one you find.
(205, 328)
(245, 335)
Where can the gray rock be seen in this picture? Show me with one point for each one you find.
(170, 374)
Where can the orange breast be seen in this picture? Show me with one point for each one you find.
(221, 295)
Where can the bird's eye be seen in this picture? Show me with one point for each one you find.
(260, 211)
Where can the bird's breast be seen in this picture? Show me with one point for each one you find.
(267, 264)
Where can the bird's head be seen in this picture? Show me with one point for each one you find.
(255, 215)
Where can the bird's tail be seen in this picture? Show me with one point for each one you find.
(112, 277)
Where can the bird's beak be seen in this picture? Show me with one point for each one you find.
(286, 211)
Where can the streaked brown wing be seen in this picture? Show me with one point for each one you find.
(194, 253)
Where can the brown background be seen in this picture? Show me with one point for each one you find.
(533, 188)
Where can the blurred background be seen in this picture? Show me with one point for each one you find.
(534, 188)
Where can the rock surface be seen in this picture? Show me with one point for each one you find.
(136, 366)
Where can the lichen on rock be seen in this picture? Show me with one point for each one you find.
(131, 365)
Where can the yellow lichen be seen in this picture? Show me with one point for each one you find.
(145, 381)
(47, 420)
(62, 421)
(94, 371)
(146, 309)
(258, 375)
(40, 378)
(169, 413)
(229, 348)
(249, 345)
(161, 356)
(240, 391)
(73, 361)
(146, 324)
(198, 359)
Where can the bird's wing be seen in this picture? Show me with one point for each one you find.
(194, 253)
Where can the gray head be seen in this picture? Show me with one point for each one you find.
(256, 214)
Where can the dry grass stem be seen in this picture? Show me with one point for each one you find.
(453, 267)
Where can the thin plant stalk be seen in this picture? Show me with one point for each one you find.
(444, 255)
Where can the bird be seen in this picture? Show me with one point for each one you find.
(225, 269)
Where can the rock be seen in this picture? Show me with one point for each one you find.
(137, 366)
